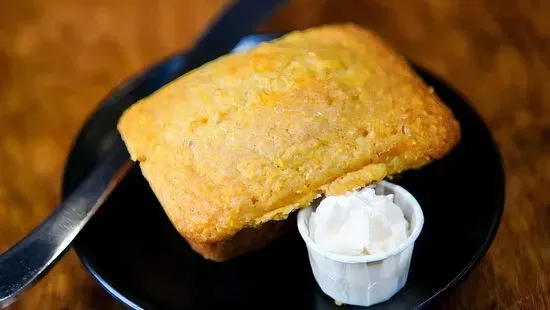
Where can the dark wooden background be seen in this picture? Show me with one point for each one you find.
(59, 58)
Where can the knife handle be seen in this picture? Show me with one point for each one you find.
(27, 261)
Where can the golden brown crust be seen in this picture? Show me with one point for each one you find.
(252, 136)
(245, 241)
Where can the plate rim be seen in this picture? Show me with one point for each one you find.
(135, 80)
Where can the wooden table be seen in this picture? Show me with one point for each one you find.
(59, 58)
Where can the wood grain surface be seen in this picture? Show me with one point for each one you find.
(59, 58)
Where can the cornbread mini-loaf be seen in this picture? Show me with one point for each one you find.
(252, 136)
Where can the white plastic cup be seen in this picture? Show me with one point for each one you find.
(365, 280)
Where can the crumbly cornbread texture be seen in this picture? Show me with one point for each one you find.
(252, 136)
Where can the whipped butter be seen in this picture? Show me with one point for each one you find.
(358, 223)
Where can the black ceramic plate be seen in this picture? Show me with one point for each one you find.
(133, 251)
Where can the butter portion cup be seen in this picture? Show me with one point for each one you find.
(365, 280)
